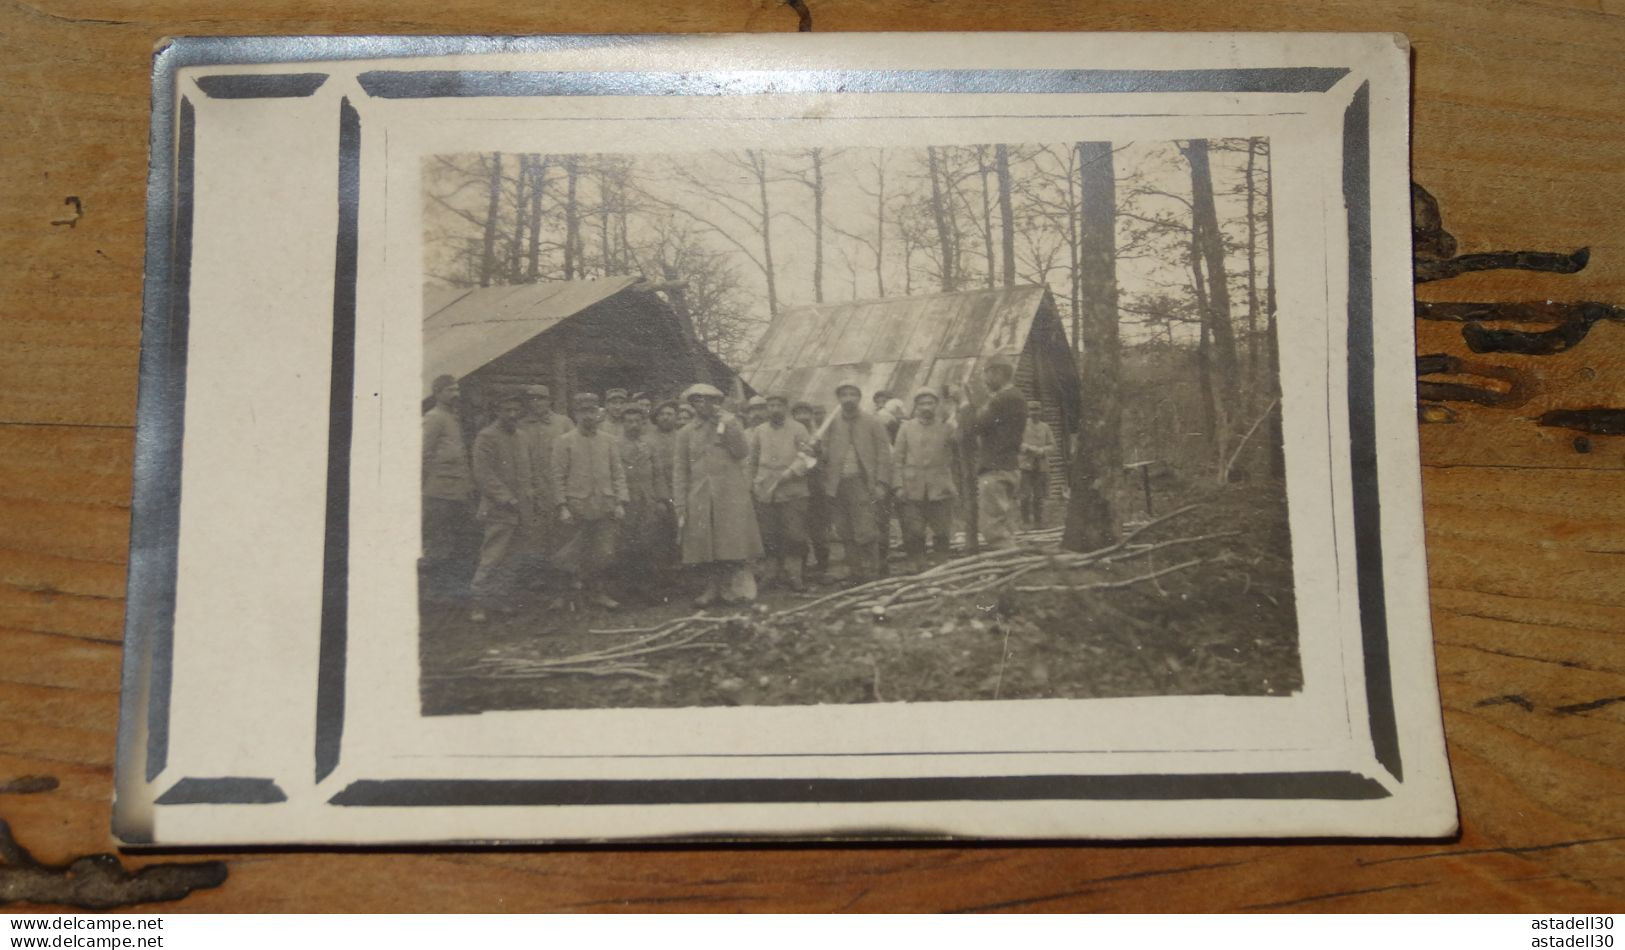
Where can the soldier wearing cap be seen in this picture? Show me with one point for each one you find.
(539, 428)
(614, 404)
(997, 423)
(778, 464)
(592, 499)
(638, 462)
(715, 515)
(755, 412)
(448, 491)
(1037, 441)
(507, 508)
(662, 541)
(857, 477)
(817, 501)
(926, 455)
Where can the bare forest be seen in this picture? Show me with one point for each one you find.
(1159, 258)
(1159, 255)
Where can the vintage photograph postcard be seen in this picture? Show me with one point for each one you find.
(706, 437)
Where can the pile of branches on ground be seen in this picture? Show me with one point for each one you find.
(1036, 556)
(997, 570)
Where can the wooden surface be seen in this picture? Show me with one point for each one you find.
(1520, 133)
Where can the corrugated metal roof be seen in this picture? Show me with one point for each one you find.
(896, 343)
(465, 329)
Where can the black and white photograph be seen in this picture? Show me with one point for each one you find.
(576, 439)
(851, 425)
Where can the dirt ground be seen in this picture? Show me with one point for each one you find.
(1224, 626)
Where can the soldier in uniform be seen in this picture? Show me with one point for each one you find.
(858, 475)
(715, 515)
(662, 541)
(507, 508)
(926, 457)
(1036, 443)
(637, 528)
(778, 467)
(592, 499)
(817, 501)
(998, 424)
(539, 428)
(448, 491)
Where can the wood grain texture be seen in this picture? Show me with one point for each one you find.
(1517, 131)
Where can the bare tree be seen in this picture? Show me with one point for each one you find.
(1210, 243)
(941, 213)
(1007, 218)
(488, 264)
(1092, 518)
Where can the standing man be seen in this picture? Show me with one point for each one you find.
(859, 475)
(713, 494)
(507, 507)
(662, 541)
(637, 528)
(891, 414)
(817, 500)
(1036, 442)
(778, 475)
(614, 405)
(448, 489)
(925, 455)
(592, 499)
(998, 425)
(539, 428)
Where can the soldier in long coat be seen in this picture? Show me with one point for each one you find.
(712, 493)
(507, 508)
(539, 428)
(780, 456)
(448, 493)
(926, 455)
(857, 475)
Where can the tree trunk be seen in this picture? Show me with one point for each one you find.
(1211, 243)
(983, 170)
(516, 246)
(758, 161)
(818, 224)
(1007, 216)
(604, 201)
(533, 268)
(1092, 518)
(880, 223)
(939, 211)
(1252, 277)
(572, 219)
(1277, 453)
(1204, 369)
(488, 262)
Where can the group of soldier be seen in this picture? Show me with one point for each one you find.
(626, 494)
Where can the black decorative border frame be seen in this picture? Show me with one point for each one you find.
(149, 628)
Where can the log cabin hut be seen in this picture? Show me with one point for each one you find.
(569, 335)
(938, 340)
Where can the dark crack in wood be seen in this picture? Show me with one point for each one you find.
(1434, 254)
(803, 15)
(29, 785)
(1519, 387)
(96, 881)
(1593, 421)
(1512, 699)
(1573, 321)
